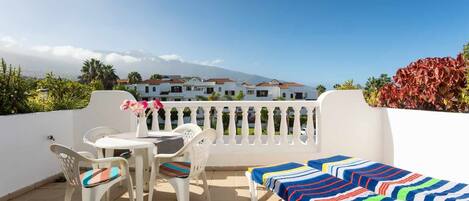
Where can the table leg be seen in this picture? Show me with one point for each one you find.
(139, 174)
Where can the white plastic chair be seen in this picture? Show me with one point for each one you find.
(71, 162)
(188, 131)
(94, 134)
(198, 150)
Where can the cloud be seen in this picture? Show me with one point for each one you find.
(115, 58)
(210, 62)
(171, 57)
(8, 41)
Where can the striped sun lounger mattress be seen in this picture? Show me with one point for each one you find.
(390, 181)
(294, 181)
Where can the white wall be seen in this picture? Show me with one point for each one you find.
(24, 148)
(431, 143)
(349, 126)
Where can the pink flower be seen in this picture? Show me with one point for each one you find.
(143, 104)
(157, 104)
(125, 105)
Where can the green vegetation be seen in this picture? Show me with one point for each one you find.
(156, 77)
(347, 85)
(372, 87)
(134, 77)
(320, 89)
(98, 74)
(14, 90)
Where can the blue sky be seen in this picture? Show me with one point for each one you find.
(305, 41)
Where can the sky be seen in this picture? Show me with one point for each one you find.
(312, 42)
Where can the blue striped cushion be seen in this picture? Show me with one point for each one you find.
(95, 177)
(176, 169)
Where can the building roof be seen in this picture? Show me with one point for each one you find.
(122, 81)
(160, 81)
(281, 85)
(219, 80)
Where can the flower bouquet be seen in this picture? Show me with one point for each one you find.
(141, 109)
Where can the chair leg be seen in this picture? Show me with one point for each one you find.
(207, 191)
(130, 189)
(69, 192)
(154, 171)
(181, 186)
(252, 187)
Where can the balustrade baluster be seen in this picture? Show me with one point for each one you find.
(258, 126)
(310, 126)
(270, 125)
(194, 115)
(232, 125)
(206, 117)
(245, 126)
(155, 125)
(283, 125)
(167, 121)
(180, 115)
(296, 125)
(220, 128)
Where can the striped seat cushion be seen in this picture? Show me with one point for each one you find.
(95, 177)
(391, 181)
(294, 181)
(176, 169)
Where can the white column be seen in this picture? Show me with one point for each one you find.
(207, 117)
(167, 121)
(180, 115)
(232, 125)
(258, 126)
(155, 125)
(245, 126)
(270, 126)
(283, 125)
(296, 125)
(220, 128)
(194, 115)
(310, 126)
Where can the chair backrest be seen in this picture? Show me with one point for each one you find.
(188, 131)
(94, 134)
(198, 150)
(69, 162)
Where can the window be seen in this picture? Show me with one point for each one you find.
(188, 88)
(189, 99)
(262, 93)
(177, 99)
(299, 95)
(135, 88)
(250, 92)
(284, 95)
(291, 95)
(230, 92)
(176, 89)
(209, 90)
(219, 89)
(146, 89)
(154, 89)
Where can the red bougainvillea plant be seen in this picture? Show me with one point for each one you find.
(427, 84)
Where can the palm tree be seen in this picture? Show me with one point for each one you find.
(156, 77)
(214, 96)
(320, 89)
(134, 77)
(108, 76)
(89, 70)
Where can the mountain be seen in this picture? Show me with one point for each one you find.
(67, 61)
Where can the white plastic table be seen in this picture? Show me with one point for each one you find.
(143, 150)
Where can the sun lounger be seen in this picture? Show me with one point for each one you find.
(294, 181)
(390, 181)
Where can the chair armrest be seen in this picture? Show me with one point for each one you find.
(122, 162)
(166, 156)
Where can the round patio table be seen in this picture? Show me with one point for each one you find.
(143, 150)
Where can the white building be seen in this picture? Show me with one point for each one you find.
(178, 89)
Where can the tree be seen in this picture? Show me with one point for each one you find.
(372, 87)
(320, 89)
(466, 52)
(13, 90)
(134, 77)
(94, 69)
(347, 85)
(156, 77)
(240, 96)
(201, 98)
(130, 90)
(427, 84)
(214, 96)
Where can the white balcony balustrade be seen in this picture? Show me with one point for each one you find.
(248, 127)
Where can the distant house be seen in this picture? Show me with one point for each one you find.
(180, 89)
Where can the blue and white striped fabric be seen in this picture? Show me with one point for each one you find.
(293, 181)
(390, 181)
